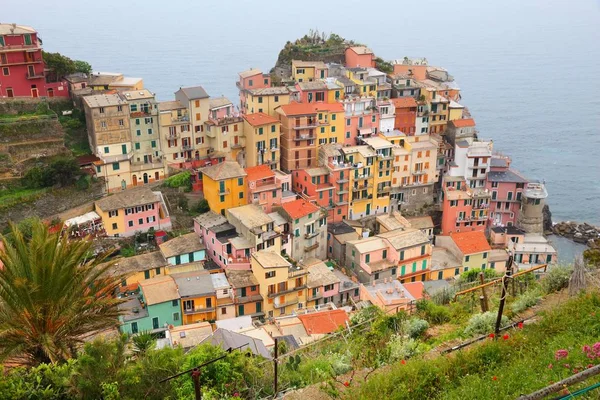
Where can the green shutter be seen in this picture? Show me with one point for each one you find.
(240, 310)
(124, 148)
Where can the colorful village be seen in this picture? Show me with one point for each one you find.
(335, 188)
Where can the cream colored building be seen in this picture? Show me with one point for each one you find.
(198, 104)
(175, 132)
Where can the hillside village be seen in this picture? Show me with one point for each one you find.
(333, 189)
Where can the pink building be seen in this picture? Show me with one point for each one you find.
(362, 119)
(312, 92)
(267, 187)
(251, 79)
(359, 56)
(506, 186)
(464, 209)
(221, 239)
(323, 284)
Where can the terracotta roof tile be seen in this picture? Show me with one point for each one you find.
(404, 102)
(462, 123)
(415, 289)
(310, 108)
(299, 208)
(258, 119)
(259, 172)
(471, 242)
(323, 322)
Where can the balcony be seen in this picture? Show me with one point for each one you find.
(384, 189)
(247, 299)
(311, 235)
(139, 166)
(173, 136)
(180, 119)
(343, 191)
(313, 297)
(478, 166)
(419, 172)
(116, 158)
(341, 203)
(35, 75)
(357, 188)
(307, 125)
(198, 310)
(278, 304)
(311, 247)
(365, 198)
(304, 137)
(223, 192)
(236, 146)
(385, 157)
(284, 292)
(343, 180)
(187, 147)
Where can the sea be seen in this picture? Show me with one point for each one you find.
(529, 70)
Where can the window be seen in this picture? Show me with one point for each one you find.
(134, 327)
(175, 303)
(146, 274)
(103, 124)
(114, 225)
(141, 221)
(467, 258)
(137, 146)
(376, 275)
(241, 195)
(130, 223)
(269, 274)
(367, 258)
(115, 166)
(276, 99)
(106, 150)
(121, 122)
(422, 250)
(484, 255)
(101, 110)
(384, 255)
(113, 213)
(240, 181)
(5, 71)
(401, 254)
(456, 271)
(272, 128)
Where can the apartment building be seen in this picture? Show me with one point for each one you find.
(224, 130)
(246, 293)
(175, 132)
(198, 296)
(262, 133)
(198, 104)
(267, 187)
(464, 209)
(224, 186)
(307, 225)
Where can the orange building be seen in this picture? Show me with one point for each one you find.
(359, 56)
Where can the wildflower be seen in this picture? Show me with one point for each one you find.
(560, 354)
(575, 371)
(491, 336)
(236, 394)
(403, 362)
(586, 349)
(596, 348)
(590, 365)
(346, 383)
(520, 325)
(505, 337)
(550, 366)
(494, 378)
(567, 365)
(591, 355)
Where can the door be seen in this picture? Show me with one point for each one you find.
(145, 178)
(155, 323)
(30, 70)
(50, 92)
(258, 306)
(368, 209)
(156, 176)
(134, 179)
(34, 93)
(9, 92)
(240, 310)
(440, 275)
(123, 184)
(243, 292)
(208, 303)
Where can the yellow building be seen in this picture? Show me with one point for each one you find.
(198, 296)
(282, 285)
(308, 71)
(224, 186)
(266, 100)
(335, 91)
(370, 180)
(261, 132)
(365, 86)
(455, 110)
(224, 130)
(460, 252)
(175, 131)
(198, 104)
(331, 119)
(139, 268)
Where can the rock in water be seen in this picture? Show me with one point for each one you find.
(547, 215)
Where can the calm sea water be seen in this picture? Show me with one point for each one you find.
(528, 70)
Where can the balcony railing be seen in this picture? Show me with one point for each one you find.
(187, 147)
(419, 172)
(357, 188)
(304, 137)
(311, 247)
(182, 118)
(286, 291)
(198, 310)
(278, 304)
(247, 299)
(478, 166)
(316, 296)
(307, 125)
(35, 75)
(311, 234)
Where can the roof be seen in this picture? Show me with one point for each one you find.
(250, 215)
(316, 64)
(184, 244)
(498, 162)
(217, 102)
(142, 262)
(463, 123)
(415, 289)
(361, 50)
(320, 275)
(340, 228)
(241, 278)
(295, 108)
(137, 94)
(128, 198)
(393, 221)
(14, 29)
(318, 171)
(471, 242)
(159, 289)
(194, 283)
(277, 218)
(323, 322)
(104, 100)
(224, 170)
(509, 230)
(421, 222)
(258, 119)
(170, 105)
(367, 245)
(219, 281)
(299, 208)
(404, 102)
(258, 172)
(190, 335)
(269, 91)
(505, 176)
(195, 92)
(378, 143)
(269, 259)
(250, 72)
(232, 340)
(83, 219)
(132, 309)
(314, 85)
(442, 258)
(402, 239)
(210, 219)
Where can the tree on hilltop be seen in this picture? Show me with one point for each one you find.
(51, 295)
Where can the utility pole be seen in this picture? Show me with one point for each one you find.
(196, 380)
(483, 299)
(505, 279)
(275, 388)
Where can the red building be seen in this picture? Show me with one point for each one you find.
(405, 114)
(22, 67)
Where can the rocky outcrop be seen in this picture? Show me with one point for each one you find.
(547, 215)
(578, 232)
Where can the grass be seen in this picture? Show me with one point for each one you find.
(76, 138)
(15, 195)
(499, 369)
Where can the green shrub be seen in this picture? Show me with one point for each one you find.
(526, 300)
(415, 327)
(402, 348)
(556, 278)
(182, 179)
(201, 207)
(433, 313)
(481, 324)
(473, 275)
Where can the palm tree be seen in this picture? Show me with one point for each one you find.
(51, 295)
(142, 343)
